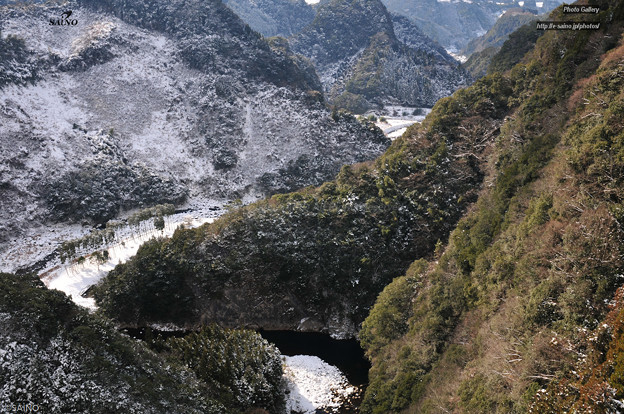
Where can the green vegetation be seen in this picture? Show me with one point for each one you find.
(487, 309)
(535, 262)
(511, 52)
(242, 369)
(477, 64)
(60, 357)
(366, 77)
(351, 102)
(361, 230)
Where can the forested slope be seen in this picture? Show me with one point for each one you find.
(55, 357)
(320, 254)
(510, 305)
(524, 169)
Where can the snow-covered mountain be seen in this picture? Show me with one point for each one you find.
(362, 63)
(274, 17)
(128, 104)
(454, 23)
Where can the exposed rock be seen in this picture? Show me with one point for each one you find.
(274, 17)
(362, 64)
(149, 102)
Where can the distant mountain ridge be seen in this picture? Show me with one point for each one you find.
(482, 49)
(497, 34)
(274, 17)
(453, 24)
(362, 64)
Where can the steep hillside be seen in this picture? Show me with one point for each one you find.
(483, 49)
(342, 28)
(510, 313)
(129, 107)
(508, 23)
(411, 35)
(274, 17)
(478, 63)
(514, 49)
(57, 358)
(362, 64)
(316, 259)
(501, 321)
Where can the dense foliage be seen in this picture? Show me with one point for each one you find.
(323, 253)
(57, 356)
(477, 64)
(242, 369)
(536, 262)
(515, 47)
(100, 189)
(17, 64)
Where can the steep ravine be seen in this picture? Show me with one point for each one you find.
(316, 259)
(522, 170)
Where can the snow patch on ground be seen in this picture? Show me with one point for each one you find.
(398, 118)
(75, 278)
(458, 57)
(313, 384)
(163, 117)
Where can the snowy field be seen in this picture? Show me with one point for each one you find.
(398, 119)
(75, 278)
(314, 385)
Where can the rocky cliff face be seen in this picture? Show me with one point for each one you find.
(274, 17)
(509, 22)
(150, 102)
(481, 50)
(363, 64)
